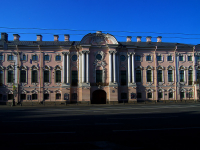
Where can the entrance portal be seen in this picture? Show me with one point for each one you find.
(98, 97)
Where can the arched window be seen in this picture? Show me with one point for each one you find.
(47, 73)
(34, 74)
(58, 73)
(10, 74)
(23, 74)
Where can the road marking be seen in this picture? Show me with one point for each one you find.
(38, 133)
(156, 129)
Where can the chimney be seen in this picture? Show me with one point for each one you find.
(159, 39)
(138, 38)
(99, 32)
(56, 37)
(148, 38)
(4, 37)
(39, 38)
(66, 37)
(16, 37)
(128, 38)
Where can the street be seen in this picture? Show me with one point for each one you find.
(169, 126)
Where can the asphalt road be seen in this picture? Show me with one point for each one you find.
(170, 126)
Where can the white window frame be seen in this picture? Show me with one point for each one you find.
(191, 56)
(149, 91)
(182, 68)
(170, 68)
(139, 68)
(49, 58)
(163, 77)
(150, 56)
(58, 54)
(162, 58)
(47, 68)
(10, 68)
(21, 57)
(9, 55)
(150, 68)
(2, 69)
(35, 68)
(25, 69)
(138, 60)
(3, 57)
(190, 68)
(183, 58)
(37, 57)
(171, 91)
(57, 68)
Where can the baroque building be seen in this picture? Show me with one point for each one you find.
(97, 69)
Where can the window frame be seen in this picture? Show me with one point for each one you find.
(123, 83)
(136, 58)
(74, 79)
(58, 55)
(12, 57)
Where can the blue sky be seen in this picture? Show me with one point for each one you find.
(158, 16)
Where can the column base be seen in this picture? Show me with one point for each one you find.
(113, 84)
(132, 84)
(66, 85)
(84, 84)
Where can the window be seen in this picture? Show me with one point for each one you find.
(160, 94)
(23, 96)
(46, 76)
(191, 94)
(170, 94)
(34, 57)
(1, 57)
(198, 58)
(137, 58)
(198, 74)
(1, 97)
(180, 58)
(22, 76)
(74, 78)
(46, 96)
(190, 78)
(148, 58)
(149, 95)
(189, 58)
(159, 58)
(10, 57)
(34, 76)
(34, 96)
(159, 75)
(58, 76)
(123, 77)
(123, 95)
(182, 95)
(10, 96)
(58, 96)
(170, 77)
(46, 57)
(74, 57)
(98, 57)
(23, 58)
(138, 75)
(74, 96)
(181, 75)
(149, 76)
(98, 76)
(169, 58)
(122, 58)
(139, 95)
(1, 77)
(10, 76)
(58, 58)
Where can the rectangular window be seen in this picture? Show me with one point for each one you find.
(159, 58)
(10, 76)
(22, 76)
(58, 96)
(170, 94)
(198, 58)
(190, 77)
(182, 95)
(123, 77)
(10, 57)
(34, 57)
(180, 58)
(149, 95)
(46, 76)
(1, 57)
(34, 96)
(137, 58)
(74, 96)
(139, 95)
(1, 97)
(23, 96)
(191, 94)
(74, 78)
(198, 75)
(123, 95)
(1, 77)
(169, 58)
(181, 75)
(58, 58)
(138, 75)
(159, 75)
(160, 94)
(170, 76)
(23, 57)
(149, 76)
(34, 76)
(46, 57)
(10, 96)
(58, 76)
(189, 58)
(148, 58)
(46, 96)
(98, 76)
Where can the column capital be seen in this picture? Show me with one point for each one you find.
(67, 53)
(177, 54)
(111, 52)
(64, 53)
(87, 52)
(129, 53)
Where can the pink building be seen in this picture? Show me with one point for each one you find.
(97, 69)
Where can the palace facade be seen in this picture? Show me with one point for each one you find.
(97, 69)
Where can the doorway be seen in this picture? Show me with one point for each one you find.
(98, 97)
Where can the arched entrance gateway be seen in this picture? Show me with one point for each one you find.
(98, 97)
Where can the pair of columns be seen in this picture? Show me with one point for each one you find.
(66, 67)
(131, 68)
(112, 66)
(85, 66)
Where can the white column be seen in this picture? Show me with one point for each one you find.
(68, 69)
(64, 67)
(129, 69)
(83, 67)
(177, 69)
(133, 68)
(15, 67)
(114, 66)
(87, 66)
(79, 69)
(110, 66)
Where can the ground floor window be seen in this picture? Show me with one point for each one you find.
(58, 96)
(34, 96)
(123, 95)
(170, 94)
(160, 95)
(23, 96)
(139, 95)
(46, 96)
(182, 95)
(1, 97)
(10, 96)
(74, 96)
(149, 95)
